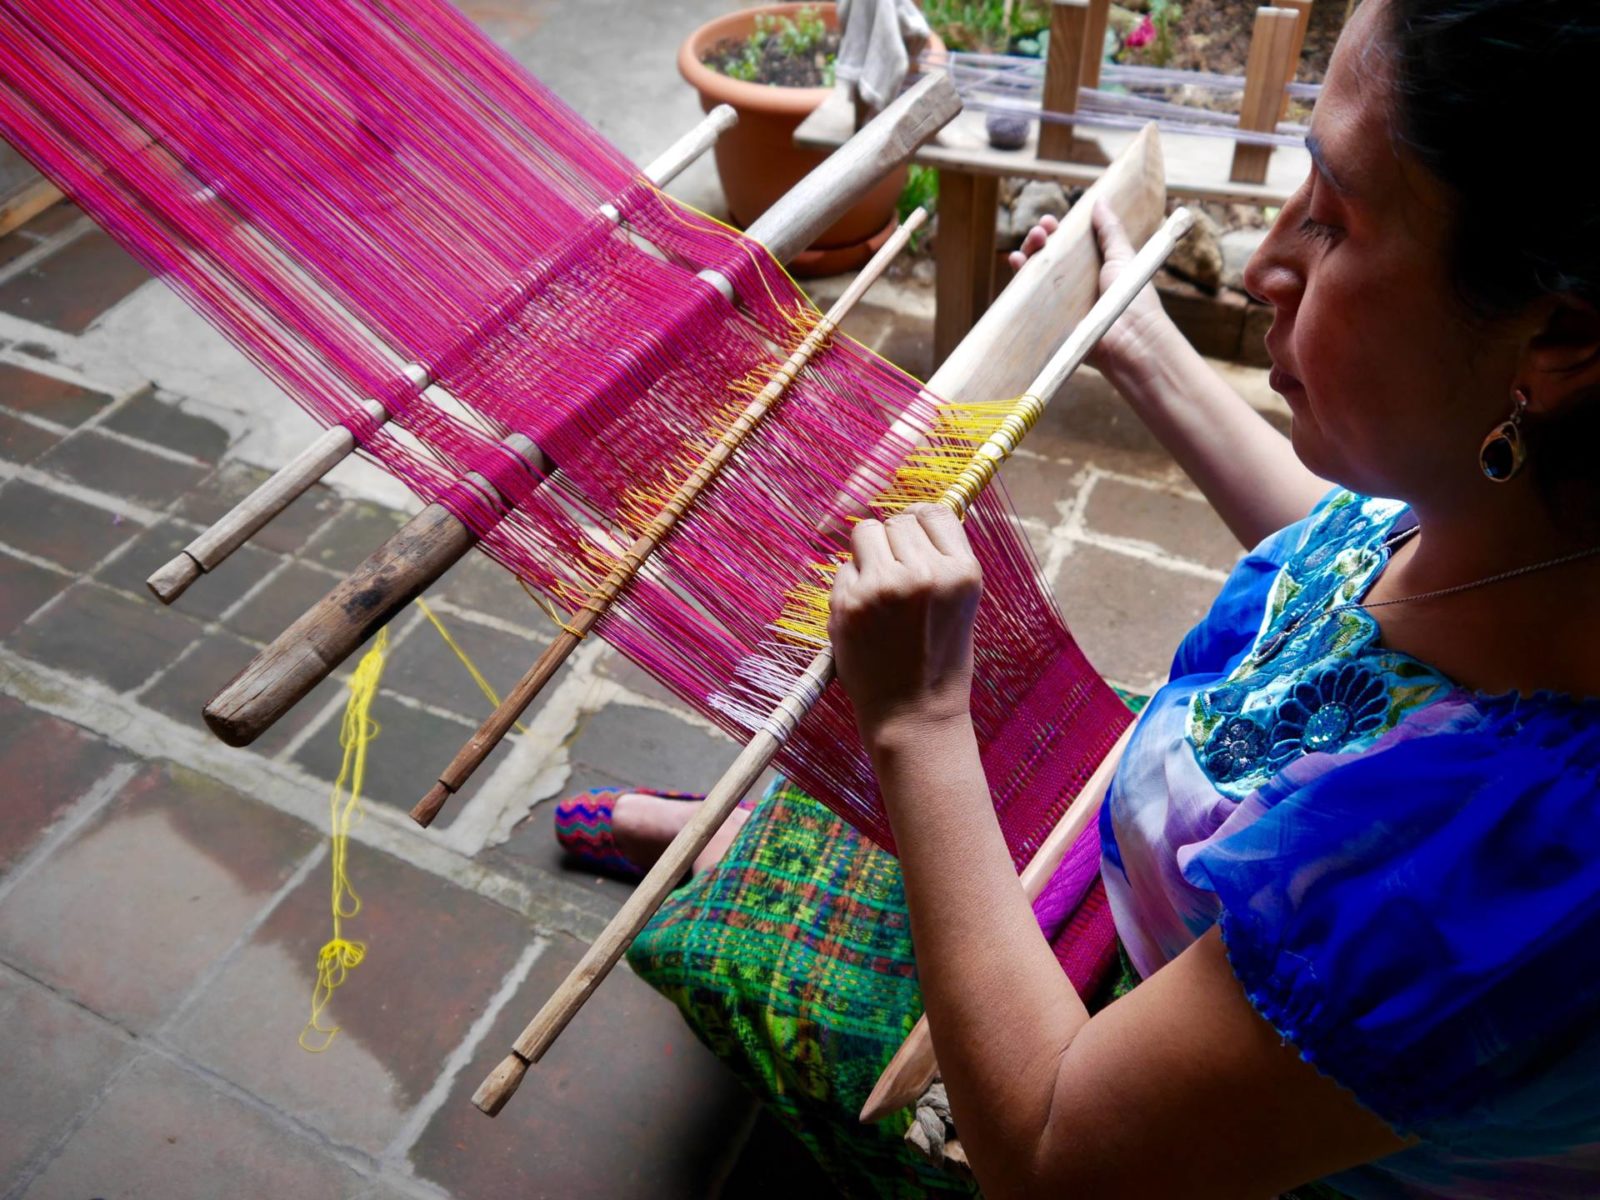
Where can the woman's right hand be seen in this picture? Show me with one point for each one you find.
(1138, 331)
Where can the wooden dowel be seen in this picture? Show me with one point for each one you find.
(1267, 73)
(1063, 75)
(641, 905)
(250, 515)
(913, 1066)
(774, 732)
(396, 573)
(294, 478)
(506, 714)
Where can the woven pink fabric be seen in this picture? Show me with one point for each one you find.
(343, 187)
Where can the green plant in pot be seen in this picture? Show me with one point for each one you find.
(740, 59)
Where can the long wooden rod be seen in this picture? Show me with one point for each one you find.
(427, 546)
(500, 722)
(336, 443)
(614, 940)
(913, 1066)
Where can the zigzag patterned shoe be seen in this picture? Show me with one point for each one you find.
(583, 827)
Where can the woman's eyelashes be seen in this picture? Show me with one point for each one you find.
(1317, 231)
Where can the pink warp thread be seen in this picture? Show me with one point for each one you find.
(343, 187)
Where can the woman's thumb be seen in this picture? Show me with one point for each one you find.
(1114, 243)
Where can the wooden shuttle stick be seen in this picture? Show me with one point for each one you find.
(416, 556)
(493, 1093)
(336, 443)
(499, 723)
(913, 1066)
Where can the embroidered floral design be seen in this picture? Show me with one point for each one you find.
(1235, 748)
(1340, 705)
(1330, 686)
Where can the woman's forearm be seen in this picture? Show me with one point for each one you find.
(1000, 1010)
(1243, 466)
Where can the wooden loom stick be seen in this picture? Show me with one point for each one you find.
(757, 755)
(336, 443)
(499, 723)
(913, 1066)
(434, 540)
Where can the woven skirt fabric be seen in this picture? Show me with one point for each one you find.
(791, 959)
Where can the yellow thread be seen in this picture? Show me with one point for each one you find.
(477, 675)
(964, 449)
(340, 955)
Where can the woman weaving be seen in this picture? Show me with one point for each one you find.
(1351, 849)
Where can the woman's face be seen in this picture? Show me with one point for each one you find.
(1391, 388)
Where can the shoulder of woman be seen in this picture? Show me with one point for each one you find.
(1419, 920)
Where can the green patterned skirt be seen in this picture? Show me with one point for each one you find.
(791, 959)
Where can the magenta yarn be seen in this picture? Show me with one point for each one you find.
(344, 187)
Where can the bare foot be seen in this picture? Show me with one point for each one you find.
(645, 825)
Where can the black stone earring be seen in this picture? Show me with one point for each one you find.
(1503, 452)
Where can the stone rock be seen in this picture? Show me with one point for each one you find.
(1237, 245)
(1037, 199)
(1197, 258)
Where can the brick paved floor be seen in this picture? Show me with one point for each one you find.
(162, 897)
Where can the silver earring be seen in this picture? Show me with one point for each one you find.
(1503, 452)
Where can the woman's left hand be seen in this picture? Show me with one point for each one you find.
(901, 619)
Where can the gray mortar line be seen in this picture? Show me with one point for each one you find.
(116, 505)
(395, 1154)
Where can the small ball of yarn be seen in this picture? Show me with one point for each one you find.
(1007, 131)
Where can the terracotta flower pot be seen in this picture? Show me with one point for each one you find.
(757, 159)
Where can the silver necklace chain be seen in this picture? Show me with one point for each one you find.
(1278, 640)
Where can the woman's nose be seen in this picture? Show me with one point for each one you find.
(1272, 276)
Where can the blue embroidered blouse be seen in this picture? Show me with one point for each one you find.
(1407, 873)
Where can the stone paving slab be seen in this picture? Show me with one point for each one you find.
(126, 915)
(109, 464)
(24, 588)
(53, 526)
(22, 442)
(47, 765)
(69, 1056)
(72, 287)
(162, 1133)
(626, 1103)
(435, 955)
(105, 635)
(42, 395)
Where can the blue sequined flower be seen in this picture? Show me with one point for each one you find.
(1340, 705)
(1235, 749)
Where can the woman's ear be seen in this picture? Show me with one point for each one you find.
(1562, 364)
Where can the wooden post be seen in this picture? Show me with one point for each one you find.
(1094, 41)
(993, 361)
(1303, 9)
(1063, 76)
(964, 253)
(27, 202)
(427, 546)
(1267, 73)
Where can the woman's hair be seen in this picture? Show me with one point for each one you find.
(1495, 98)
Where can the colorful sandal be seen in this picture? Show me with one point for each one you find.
(583, 827)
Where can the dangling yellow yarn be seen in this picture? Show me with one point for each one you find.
(484, 685)
(341, 955)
